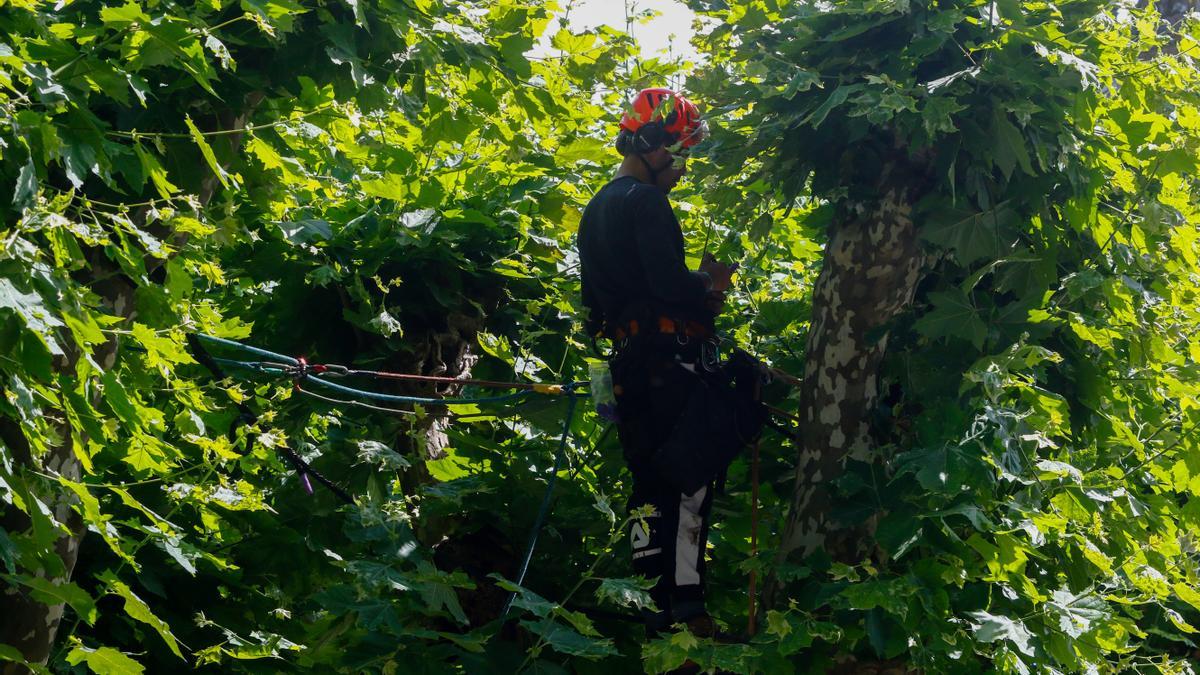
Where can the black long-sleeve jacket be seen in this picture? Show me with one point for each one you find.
(631, 258)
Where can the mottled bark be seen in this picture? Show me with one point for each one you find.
(449, 355)
(27, 624)
(871, 268)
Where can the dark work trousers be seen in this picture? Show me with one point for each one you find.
(653, 381)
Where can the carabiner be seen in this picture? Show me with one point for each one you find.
(710, 356)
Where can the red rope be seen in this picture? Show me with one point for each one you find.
(444, 380)
(782, 413)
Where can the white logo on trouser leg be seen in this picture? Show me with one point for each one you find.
(687, 539)
(639, 538)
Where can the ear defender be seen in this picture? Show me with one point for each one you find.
(649, 136)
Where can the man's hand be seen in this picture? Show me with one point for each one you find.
(720, 273)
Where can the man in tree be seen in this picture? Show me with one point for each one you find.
(676, 418)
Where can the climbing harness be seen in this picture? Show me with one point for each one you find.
(665, 325)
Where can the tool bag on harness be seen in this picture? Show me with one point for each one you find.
(719, 420)
(683, 422)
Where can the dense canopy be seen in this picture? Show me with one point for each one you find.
(971, 228)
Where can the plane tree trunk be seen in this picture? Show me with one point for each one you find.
(871, 268)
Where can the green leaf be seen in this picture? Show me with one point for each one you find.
(47, 88)
(56, 593)
(105, 661)
(387, 325)
(838, 97)
(993, 628)
(891, 595)
(1179, 622)
(1010, 145)
(876, 625)
(424, 220)
(227, 181)
(220, 51)
(972, 236)
(27, 185)
(578, 620)
(161, 351)
(668, 653)
(937, 115)
(392, 186)
(1188, 594)
(931, 466)
(10, 653)
(138, 610)
(513, 49)
(626, 592)
(90, 506)
(525, 598)
(374, 452)
(8, 552)
(585, 148)
(306, 231)
(1078, 613)
(152, 168)
(118, 400)
(359, 17)
(439, 596)
(566, 641)
(22, 398)
(971, 512)
(953, 316)
(571, 43)
(123, 16)
(898, 532)
(801, 81)
(1051, 469)
(497, 346)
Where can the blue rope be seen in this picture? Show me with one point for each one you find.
(394, 398)
(538, 522)
(256, 366)
(390, 398)
(253, 350)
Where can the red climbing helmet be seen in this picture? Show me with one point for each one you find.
(657, 110)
